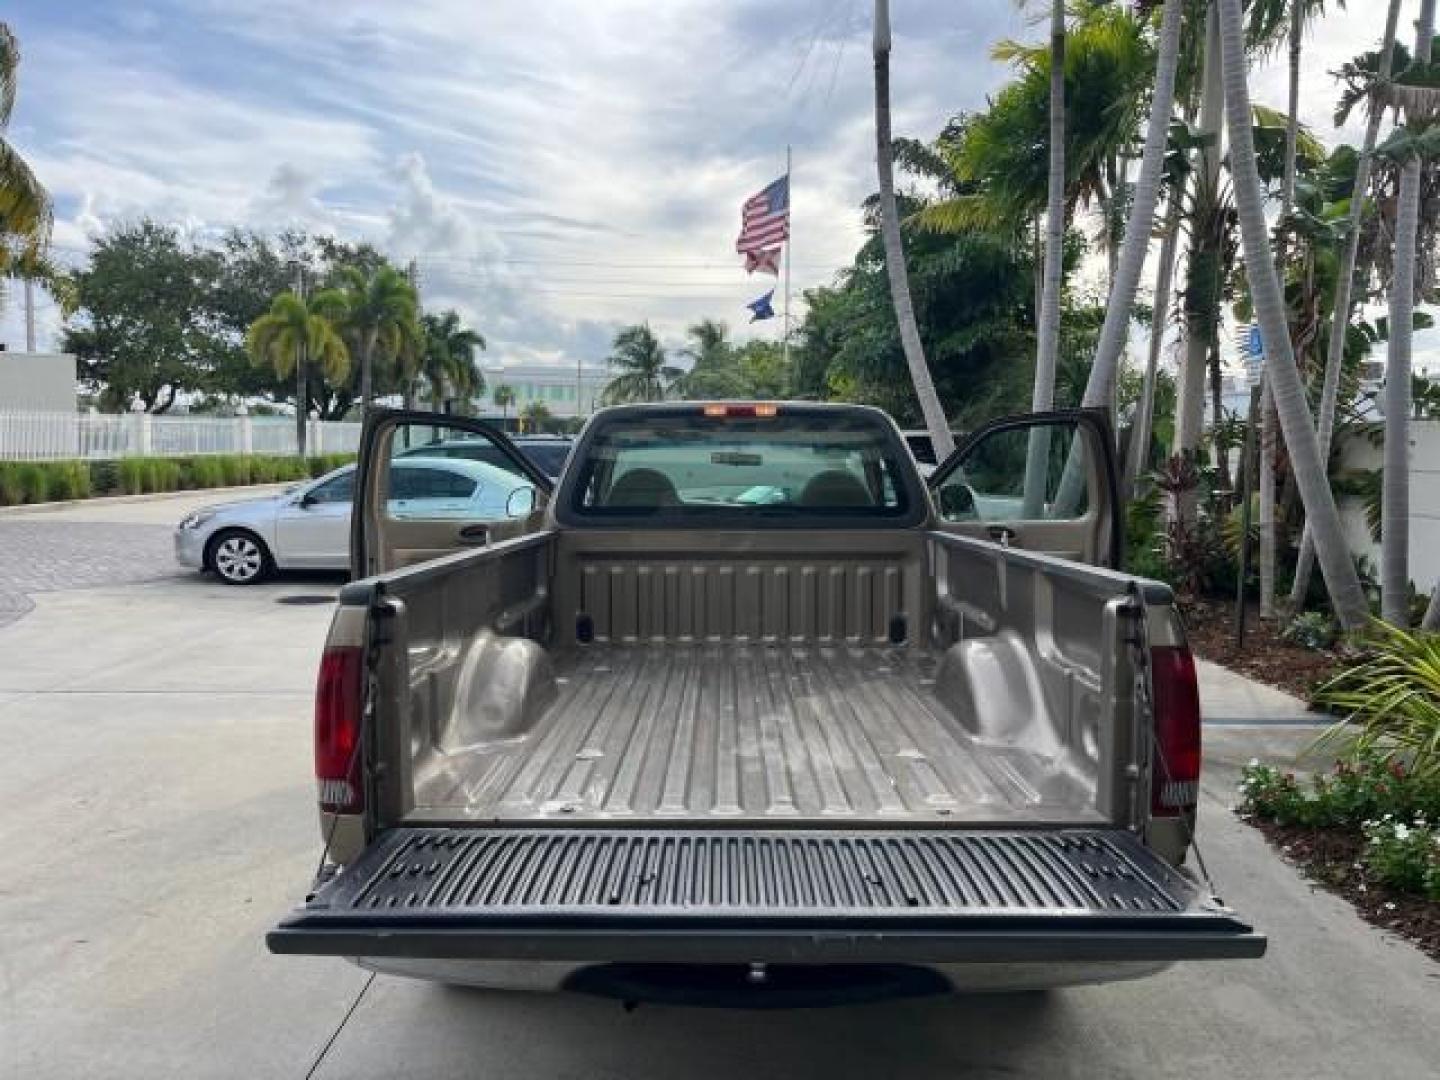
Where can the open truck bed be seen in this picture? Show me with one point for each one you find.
(625, 753)
(750, 734)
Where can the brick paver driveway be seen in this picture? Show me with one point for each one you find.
(37, 555)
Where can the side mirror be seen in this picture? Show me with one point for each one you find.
(957, 502)
(520, 502)
(307, 500)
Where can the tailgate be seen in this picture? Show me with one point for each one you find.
(713, 896)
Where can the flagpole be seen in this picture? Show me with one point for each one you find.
(790, 209)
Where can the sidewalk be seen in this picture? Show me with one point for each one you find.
(1230, 699)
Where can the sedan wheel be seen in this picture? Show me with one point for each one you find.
(239, 559)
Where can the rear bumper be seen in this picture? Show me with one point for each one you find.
(562, 975)
(587, 896)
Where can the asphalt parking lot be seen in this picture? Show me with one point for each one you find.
(159, 816)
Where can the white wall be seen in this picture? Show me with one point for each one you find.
(39, 382)
(1358, 453)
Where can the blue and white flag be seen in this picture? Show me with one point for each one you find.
(761, 309)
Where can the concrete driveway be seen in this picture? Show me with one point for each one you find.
(159, 815)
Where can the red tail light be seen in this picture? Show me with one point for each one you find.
(1175, 772)
(338, 752)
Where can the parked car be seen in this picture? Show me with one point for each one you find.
(548, 452)
(307, 527)
(752, 714)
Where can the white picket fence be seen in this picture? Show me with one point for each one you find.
(52, 436)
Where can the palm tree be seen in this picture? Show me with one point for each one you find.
(448, 357)
(504, 398)
(534, 416)
(645, 376)
(289, 338)
(378, 313)
(1138, 228)
(1288, 392)
(930, 408)
(1395, 504)
(713, 372)
(1335, 357)
(26, 213)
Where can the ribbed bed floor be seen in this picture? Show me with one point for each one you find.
(751, 732)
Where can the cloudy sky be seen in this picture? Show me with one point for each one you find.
(556, 167)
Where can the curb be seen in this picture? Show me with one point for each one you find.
(154, 496)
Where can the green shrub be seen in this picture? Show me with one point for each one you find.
(1391, 702)
(105, 477)
(11, 494)
(1310, 630)
(235, 468)
(41, 481)
(1353, 793)
(34, 482)
(68, 480)
(1404, 854)
(132, 476)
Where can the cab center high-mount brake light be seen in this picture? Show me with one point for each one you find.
(760, 411)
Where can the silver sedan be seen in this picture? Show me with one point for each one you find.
(307, 527)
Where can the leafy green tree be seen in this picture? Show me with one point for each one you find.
(713, 371)
(142, 328)
(645, 373)
(292, 339)
(448, 358)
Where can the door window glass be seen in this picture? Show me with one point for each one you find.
(411, 482)
(1036, 472)
(338, 489)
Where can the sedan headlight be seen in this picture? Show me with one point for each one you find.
(196, 519)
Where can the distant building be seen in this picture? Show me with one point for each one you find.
(566, 391)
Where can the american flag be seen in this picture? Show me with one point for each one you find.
(765, 218)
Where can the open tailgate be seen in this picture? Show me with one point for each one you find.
(713, 896)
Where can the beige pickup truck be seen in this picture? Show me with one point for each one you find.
(746, 711)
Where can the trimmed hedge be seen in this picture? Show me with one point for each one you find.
(57, 481)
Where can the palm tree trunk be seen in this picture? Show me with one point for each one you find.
(1190, 406)
(935, 420)
(1395, 498)
(367, 374)
(300, 410)
(1431, 622)
(1047, 330)
(1139, 450)
(1335, 357)
(1125, 279)
(1217, 417)
(1269, 302)
(1268, 445)
(1268, 448)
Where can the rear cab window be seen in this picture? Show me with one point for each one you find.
(742, 467)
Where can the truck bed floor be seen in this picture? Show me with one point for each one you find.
(751, 733)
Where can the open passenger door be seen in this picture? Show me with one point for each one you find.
(429, 484)
(1044, 482)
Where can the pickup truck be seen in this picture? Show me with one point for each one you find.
(661, 738)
